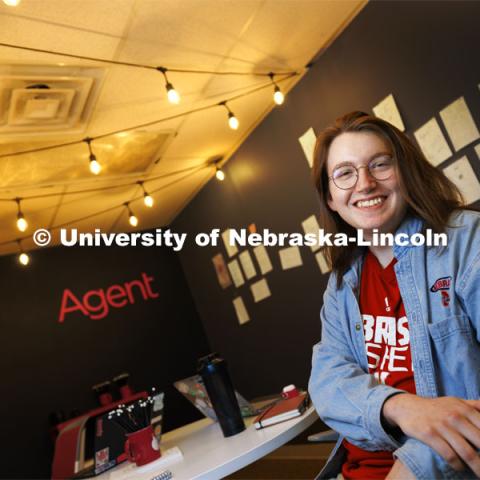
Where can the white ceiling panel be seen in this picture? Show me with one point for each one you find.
(210, 35)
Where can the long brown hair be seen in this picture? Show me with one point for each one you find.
(428, 192)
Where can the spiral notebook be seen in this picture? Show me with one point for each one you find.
(166, 475)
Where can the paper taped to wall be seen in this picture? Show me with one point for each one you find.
(260, 290)
(221, 269)
(263, 259)
(236, 273)
(231, 249)
(247, 264)
(241, 311)
(290, 257)
(432, 142)
(462, 175)
(459, 124)
(387, 110)
(308, 141)
(310, 225)
(322, 263)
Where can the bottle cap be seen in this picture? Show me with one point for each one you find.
(290, 391)
(203, 362)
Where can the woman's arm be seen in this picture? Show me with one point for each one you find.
(350, 401)
(400, 472)
(449, 425)
(347, 398)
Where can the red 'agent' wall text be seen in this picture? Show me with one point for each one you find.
(96, 304)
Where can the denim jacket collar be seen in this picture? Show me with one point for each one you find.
(410, 224)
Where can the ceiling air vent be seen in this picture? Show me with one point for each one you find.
(36, 101)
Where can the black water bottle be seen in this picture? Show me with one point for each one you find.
(213, 370)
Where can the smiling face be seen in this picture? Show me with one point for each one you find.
(370, 203)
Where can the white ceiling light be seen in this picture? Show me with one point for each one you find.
(22, 224)
(94, 166)
(233, 122)
(147, 198)
(278, 96)
(23, 258)
(172, 95)
(219, 174)
(132, 219)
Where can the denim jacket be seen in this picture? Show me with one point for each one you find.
(444, 342)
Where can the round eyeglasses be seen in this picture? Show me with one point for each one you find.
(346, 176)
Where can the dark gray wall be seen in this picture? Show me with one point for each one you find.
(426, 54)
(48, 366)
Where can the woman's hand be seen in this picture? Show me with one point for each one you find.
(449, 425)
(399, 472)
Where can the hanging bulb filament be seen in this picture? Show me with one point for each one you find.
(132, 219)
(23, 258)
(147, 198)
(22, 224)
(94, 166)
(219, 174)
(278, 96)
(233, 122)
(172, 95)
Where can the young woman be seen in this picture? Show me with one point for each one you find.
(397, 370)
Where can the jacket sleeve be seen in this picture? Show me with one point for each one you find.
(469, 292)
(426, 464)
(347, 399)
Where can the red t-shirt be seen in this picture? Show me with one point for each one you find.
(387, 341)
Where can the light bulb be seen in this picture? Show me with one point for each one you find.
(24, 259)
(220, 175)
(11, 3)
(172, 94)
(232, 121)
(21, 223)
(95, 167)
(148, 200)
(133, 220)
(278, 96)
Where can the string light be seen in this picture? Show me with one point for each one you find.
(278, 96)
(172, 95)
(110, 209)
(22, 224)
(232, 119)
(219, 174)
(23, 257)
(106, 188)
(147, 198)
(132, 219)
(95, 167)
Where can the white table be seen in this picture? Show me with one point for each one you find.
(208, 455)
